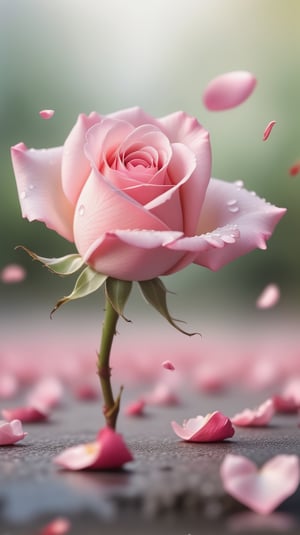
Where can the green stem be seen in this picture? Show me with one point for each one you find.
(111, 406)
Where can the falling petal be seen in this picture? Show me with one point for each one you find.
(228, 90)
(211, 428)
(168, 365)
(12, 273)
(261, 490)
(269, 297)
(268, 130)
(11, 432)
(294, 169)
(255, 418)
(46, 114)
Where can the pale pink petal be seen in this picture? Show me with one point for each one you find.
(135, 408)
(228, 90)
(107, 452)
(291, 389)
(75, 165)
(229, 205)
(13, 273)
(25, 414)
(47, 392)
(185, 129)
(168, 365)
(46, 114)
(58, 526)
(40, 192)
(263, 490)
(11, 432)
(268, 130)
(162, 394)
(8, 385)
(294, 169)
(269, 296)
(211, 428)
(135, 116)
(255, 418)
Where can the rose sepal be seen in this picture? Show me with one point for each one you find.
(117, 292)
(88, 282)
(65, 265)
(154, 292)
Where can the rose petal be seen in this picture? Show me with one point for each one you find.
(228, 90)
(230, 205)
(284, 404)
(135, 408)
(8, 385)
(255, 418)
(268, 130)
(25, 414)
(46, 114)
(58, 526)
(211, 428)
(269, 296)
(294, 169)
(162, 394)
(13, 273)
(263, 490)
(168, 365)
(107, 452)
(47, 392)
(11, 432)
(38, 180)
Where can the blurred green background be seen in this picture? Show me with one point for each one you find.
(81, 55)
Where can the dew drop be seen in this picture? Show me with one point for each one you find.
(23, 195)
(231, 202)
(233, 209)
(81, 210)
(31, 187)
(239, 184)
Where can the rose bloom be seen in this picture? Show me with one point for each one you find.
(135, 195)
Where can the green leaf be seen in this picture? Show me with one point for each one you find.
(66, 265)
(117, 292)
(88, 282)
(154, 291)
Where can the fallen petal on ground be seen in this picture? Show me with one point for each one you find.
(210, 428)
(258, 417)
(25, 414)
(261, 490)
(11, 432)
(58, 526)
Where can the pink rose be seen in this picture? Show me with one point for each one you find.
(135, 196)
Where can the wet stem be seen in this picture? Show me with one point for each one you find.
(111, 405)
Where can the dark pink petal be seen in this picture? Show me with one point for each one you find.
(13, 273)
(284, 404)
(263, 490)
(25, 414)
(228, 90)
(269, 297)
(211, 428)
(11, 432)
(46, 114)
(107, 452)
(86, 391)
(168, 365)
(294, 169)
(135, 408)
(268, 130)
(58, 526)
(255, 418)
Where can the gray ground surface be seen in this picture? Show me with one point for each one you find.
(172, 487)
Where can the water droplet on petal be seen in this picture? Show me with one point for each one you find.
(31, 187)
(81, 210)
(23, 195)
(239, 184)
(231, 202)
(233, 209)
